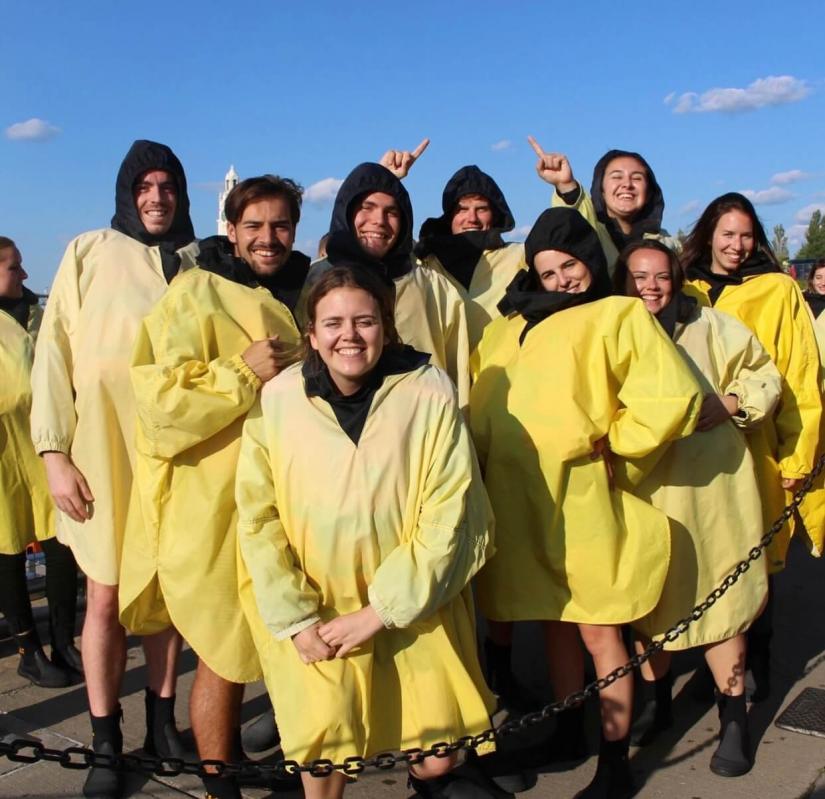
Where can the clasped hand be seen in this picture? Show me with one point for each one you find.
(338, 637)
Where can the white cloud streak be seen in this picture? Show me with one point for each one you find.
(763, 92)
(33, 129)
(520, 233)
(690, 207)
(503, 144)
(803, 215)
(791, 176)
(771, 196)
(323, 191)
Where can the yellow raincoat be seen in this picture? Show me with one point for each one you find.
(493, 272)
(193, 391)
(773, 308)
(568, 547)
(83, 404)
(26, 508)
(400, 522)
(706, 484)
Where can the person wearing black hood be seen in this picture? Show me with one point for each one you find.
(26, 509)
(578, 378)
(465, 243)
(625, 201)
(83, 424)
(815, 292)
(202, 355)
(372, 221)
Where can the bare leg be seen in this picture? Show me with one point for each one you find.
(658, 665)
(215, 712)
(432, 767)
(565, 658)
(604, 642)
(331, 787)
(162, 652)
(727, 662)
(103, 648)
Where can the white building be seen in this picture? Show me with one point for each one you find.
(229, 182)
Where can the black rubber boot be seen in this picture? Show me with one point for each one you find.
(35, 666)
(566, 744)
(262, 733)
(162, 736)
(451, 786)
(657, 711)
(613, 779)
(732, 756)
(65, 654)
(107, 739)
(502, 681)
(221, 787)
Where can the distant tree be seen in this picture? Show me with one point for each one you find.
(814, 245)
(779, 243)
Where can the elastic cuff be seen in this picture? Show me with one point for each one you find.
(296, 628)
(51, 444)
(243, 369)
(378, 606)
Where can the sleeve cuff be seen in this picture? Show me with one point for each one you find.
(51, 444)
(379, 607)
(296, 628)
(243, 369)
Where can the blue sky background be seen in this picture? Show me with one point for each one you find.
(310, 89)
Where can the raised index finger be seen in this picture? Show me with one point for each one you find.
(536, 147)
(421, 147)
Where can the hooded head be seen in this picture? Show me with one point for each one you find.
(146, 157)
(572, 242)
(360, 219)
(647, 219)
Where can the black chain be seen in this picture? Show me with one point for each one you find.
(78, 757)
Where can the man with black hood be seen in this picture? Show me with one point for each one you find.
(83, 424)
(625, 203)
(465, 244)
(372, 221)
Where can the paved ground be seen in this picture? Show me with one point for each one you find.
(787, 765)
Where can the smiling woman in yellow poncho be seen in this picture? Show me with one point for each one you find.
(562, 377)
(362, 517)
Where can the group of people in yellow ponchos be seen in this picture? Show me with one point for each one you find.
(273, 460)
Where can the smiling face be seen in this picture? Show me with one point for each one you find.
(818, 280)
(732, 242)
(473, 212)
(156, 198)
(649, 277)
(624, 188)
(377, 223)
(560, 271)
(348, 334)
(12, 273)
(264, 235)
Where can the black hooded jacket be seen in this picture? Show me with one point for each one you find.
(459, 253)
(216, 254)
(144, 156)
(649, 218)
(19, 307)
(566, 230)
(365, 179)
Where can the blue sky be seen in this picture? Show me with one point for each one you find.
(717, 97)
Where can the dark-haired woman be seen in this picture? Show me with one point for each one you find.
(362, 518)
(706, 484)
(625, 203)
(731, 267)
(566, 374)
(815, 292)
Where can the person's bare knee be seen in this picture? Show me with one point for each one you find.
(430, 768)
(600, 639)
(331, 787)
(101, 603)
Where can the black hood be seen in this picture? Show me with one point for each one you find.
(365, 179)
(142, 157)
(816, 302)
(562, 229)
(758, 264)
(217, 254)
(649, 218)
(19, 307)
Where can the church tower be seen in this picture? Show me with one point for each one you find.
(229, 183)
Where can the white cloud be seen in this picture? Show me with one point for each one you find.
(503, 144)
(690, 207)
(796, 235)
(791, 176)
(773, 90)
(33, 129)
(803, 215)
(323, 191)
(520, 233)
(771, 196)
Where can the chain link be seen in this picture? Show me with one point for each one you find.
(76, 757)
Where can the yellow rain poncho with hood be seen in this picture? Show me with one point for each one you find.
(553, 376)
(771, 306)
(193, 392)
(371, 499)
(479, 263)
(430, 313)
(26, 509)
(706, 483)
(83, 404)
(647, 223)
